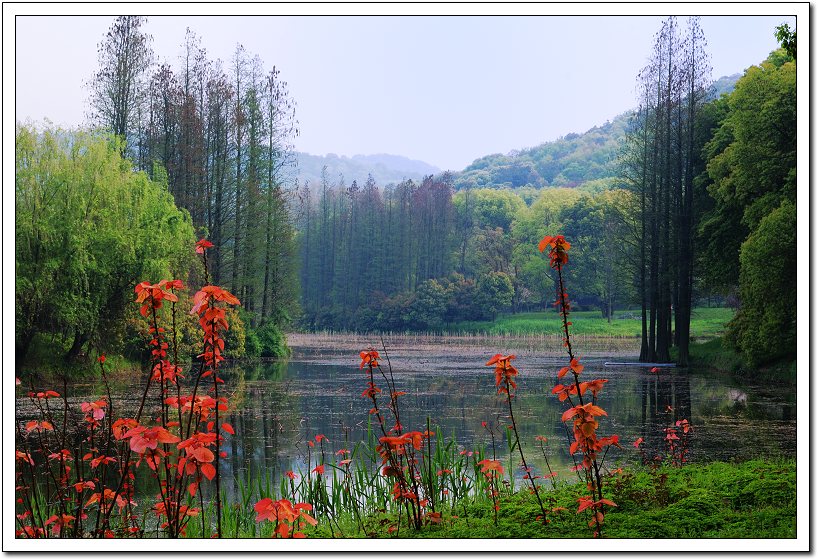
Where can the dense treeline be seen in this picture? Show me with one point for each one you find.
(747, 232)
(221, 137)
(418, 256)
(360, 244)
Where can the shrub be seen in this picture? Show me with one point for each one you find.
(273, 342)
(252, 344)
(235, 337)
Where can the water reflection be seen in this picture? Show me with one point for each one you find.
(286, 404)
(277, 407)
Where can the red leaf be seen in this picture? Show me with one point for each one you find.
(570, 413)
(208, 470)
(544, 242)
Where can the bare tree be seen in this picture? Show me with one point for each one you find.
(119, 87)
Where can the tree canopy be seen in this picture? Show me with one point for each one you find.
(87, 229)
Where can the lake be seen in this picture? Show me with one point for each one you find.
(318, 391)
(277, 406)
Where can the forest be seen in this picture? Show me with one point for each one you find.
(175, 242)
(665, 207)
(425, 254)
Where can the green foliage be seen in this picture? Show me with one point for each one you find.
(764, 329)
(787, 38)
(272, 343)
(252, 344)
(428, 307)
(234, 338)
(492, 208)
(756, 170)
(534, 287)
(87, 229)
(749, 231)
(706, 323)
(596, 226)
(494, 293)
(567, 162)
(755, 499)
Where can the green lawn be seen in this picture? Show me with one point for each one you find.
(706, 322)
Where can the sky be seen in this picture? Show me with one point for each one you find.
(442, 89)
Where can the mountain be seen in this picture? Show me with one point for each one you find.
(569, 161)
(725, 84)
(589, 158)
(385, 168)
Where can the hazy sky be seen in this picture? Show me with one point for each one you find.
(445, 90)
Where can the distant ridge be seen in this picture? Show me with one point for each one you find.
(384, 168)
(586, 160)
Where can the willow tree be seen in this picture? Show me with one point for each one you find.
(87, 229)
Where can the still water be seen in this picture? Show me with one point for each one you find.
(277, 406)
(282, 405)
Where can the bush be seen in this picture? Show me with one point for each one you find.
(252, 344)
(273, 342)
(235, 337)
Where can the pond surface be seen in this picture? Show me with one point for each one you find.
(280, 405)
(316, 393)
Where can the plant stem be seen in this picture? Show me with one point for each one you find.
(520, 448)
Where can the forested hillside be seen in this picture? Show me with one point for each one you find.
(590, 159)
(567, 162)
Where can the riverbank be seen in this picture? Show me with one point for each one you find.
(546, 345)
(716, 355)
(705, 323)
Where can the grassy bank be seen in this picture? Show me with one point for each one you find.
(714, 354)
(706, 322)
(754, 499)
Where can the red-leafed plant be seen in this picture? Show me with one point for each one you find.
(401, 452)
(286, 516)
(177, 439)
(581, 397)
(504, 374)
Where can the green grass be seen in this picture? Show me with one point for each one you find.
(755, 499)
(706, 322)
